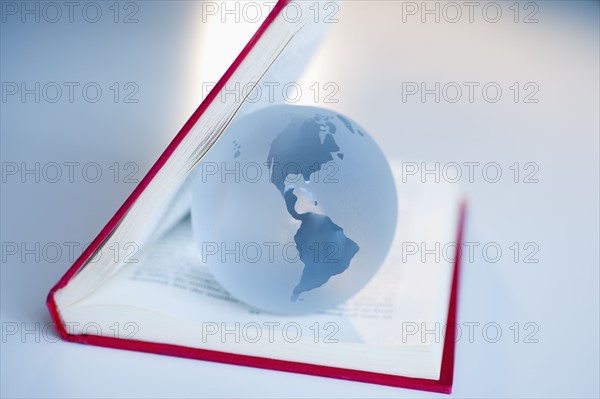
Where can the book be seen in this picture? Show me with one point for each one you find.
(143, 285)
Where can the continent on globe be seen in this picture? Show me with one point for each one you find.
(323, 247)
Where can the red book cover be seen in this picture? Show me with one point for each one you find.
(442, 385)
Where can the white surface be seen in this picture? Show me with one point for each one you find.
(162, 54)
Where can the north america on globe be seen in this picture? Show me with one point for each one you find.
(301, 144)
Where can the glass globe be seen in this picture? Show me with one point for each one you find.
(294, 209)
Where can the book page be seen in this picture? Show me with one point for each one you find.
(170, 277)
(205, 131)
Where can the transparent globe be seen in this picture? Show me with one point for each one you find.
(294, 209)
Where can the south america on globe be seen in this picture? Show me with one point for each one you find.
(294, 209)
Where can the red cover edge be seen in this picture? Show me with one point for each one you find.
(442, 385)
(185, 129)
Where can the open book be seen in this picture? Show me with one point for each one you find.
(143, 284)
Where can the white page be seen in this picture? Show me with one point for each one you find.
(171, 279)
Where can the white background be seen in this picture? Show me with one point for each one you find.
(368, 54)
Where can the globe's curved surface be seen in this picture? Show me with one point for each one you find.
(294, 209)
